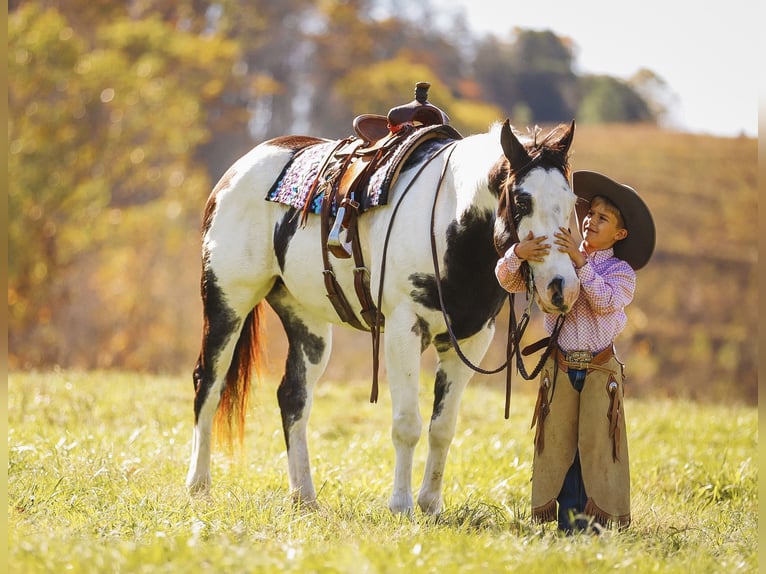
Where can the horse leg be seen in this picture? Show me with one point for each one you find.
(309, 346)
(220, 336)
(452, 376)
(403, 347)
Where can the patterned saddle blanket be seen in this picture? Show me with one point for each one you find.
(299, 178)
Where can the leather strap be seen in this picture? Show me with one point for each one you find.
(596, 363)
(334, 291)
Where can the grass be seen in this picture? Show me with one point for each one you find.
(97, 463)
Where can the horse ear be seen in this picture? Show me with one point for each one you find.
(512, 148)
(566, 140)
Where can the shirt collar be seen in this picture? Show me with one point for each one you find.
(598, 256)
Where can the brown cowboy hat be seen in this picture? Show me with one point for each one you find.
(637, 248)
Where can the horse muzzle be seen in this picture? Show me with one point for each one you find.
(560, 295)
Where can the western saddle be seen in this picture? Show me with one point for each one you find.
(372, 128)
(380, 142)
(381, 147)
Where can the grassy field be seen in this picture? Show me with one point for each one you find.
(97, 463)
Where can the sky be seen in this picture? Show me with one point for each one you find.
(706, 52)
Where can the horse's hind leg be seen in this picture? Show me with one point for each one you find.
(220, 335)
(309, 345)
(452, 376)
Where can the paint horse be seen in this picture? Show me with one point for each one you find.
(492, 188)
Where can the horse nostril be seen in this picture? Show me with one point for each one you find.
(556, 290)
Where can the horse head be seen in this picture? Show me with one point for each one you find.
(535, 195)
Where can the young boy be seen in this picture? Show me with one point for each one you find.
(581, 450)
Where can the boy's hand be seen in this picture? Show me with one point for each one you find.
(568, 244)
(532, 248)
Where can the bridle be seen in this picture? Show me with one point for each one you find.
(516, 328)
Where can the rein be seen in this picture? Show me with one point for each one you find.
(376, 327)
(515, 329)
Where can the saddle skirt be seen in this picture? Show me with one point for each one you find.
(349, 166)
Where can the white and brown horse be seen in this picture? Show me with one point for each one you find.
(492, 187)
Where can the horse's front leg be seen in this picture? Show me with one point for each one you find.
(403, 350)
(452, 376)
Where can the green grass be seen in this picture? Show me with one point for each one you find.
(97, 463)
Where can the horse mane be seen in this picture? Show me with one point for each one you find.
(550, 150)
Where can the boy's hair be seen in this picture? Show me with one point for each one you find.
(611, 208)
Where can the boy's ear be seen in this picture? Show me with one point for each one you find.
(622, 233)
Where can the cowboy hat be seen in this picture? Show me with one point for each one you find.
(637, 248)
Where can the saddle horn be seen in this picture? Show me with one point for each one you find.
(418, 110)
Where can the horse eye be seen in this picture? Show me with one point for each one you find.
(523, 204)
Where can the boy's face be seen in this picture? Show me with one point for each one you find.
(600, 228)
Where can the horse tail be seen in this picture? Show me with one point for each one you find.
(248, 360)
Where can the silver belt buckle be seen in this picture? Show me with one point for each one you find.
(580, 358)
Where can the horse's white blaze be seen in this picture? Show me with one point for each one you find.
(552, 204)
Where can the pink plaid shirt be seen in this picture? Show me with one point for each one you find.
(598, 315)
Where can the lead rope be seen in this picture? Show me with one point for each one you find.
(550, 343)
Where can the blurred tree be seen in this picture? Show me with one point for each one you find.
(343, 38)
(533, 71)
(346, 39)
(226, 110)
(659, 98)
(94, 130)
(83, 16)
(378, 88)
(272, 39)
(494, 73)
(609, 100)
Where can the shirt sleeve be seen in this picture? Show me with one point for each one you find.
(508, 271)
(609, 291)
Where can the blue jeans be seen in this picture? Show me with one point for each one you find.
(572, 497)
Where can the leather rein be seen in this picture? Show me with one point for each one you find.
(516, 328)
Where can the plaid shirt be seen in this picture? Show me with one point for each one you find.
(598, 315)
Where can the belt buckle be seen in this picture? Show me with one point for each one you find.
(580, 358)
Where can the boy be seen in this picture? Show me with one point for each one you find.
(581, 450)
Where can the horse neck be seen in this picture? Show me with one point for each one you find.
(473, 163)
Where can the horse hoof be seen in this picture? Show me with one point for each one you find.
(431, 505)
(198, 486)
(307, 506)
(304, 499)
(401, 504)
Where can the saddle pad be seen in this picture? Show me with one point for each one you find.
(296, 180)
(299, 175)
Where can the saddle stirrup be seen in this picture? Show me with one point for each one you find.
(333, 240)
(341, 249)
